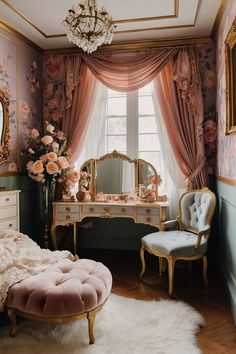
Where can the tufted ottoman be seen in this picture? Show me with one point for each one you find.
(66, 291)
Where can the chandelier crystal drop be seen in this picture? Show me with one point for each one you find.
(88, 27)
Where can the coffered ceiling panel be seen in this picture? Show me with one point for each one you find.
(135, 20)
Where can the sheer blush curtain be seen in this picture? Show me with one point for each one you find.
(184, 117)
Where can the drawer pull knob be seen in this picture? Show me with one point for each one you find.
(10, 225)
(148, 211)
(67, 209)
(123, 210)
(106, 210)
(148, 219)
(91, 210)
(67, 217)
(7, 200)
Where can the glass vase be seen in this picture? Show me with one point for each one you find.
(46, 198)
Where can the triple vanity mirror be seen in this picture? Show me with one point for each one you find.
(116, 177)
(4, 127)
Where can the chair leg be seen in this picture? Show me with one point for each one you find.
(205, 271)
(142, 250)
(171, 270)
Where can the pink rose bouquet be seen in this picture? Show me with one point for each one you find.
(48, 159)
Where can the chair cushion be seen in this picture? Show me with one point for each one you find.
(174, 243)
(65, 289)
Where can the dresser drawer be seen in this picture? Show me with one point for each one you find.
(11, 224)
(7, 200)
(112, 210)
(148, 219)
(148, 211)
(70, 217)
(9, 212)
(68, 208)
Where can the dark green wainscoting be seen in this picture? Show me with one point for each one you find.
(29, 210)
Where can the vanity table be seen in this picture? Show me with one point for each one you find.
(67, 213)
(9, 210)
(113, 184)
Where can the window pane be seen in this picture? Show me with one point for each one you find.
(153, 157)
(147, 125)
(146, 89)
(116, 106)
(112, 93)
(116, 125)
(145, 105)
(149, 142)
(117, 142)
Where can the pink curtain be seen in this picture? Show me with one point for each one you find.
(80, 94)
(175, 73)
(182, 109)
(128, 73)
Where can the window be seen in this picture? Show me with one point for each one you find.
(131, 127)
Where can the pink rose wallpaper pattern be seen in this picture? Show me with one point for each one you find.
(226, 145)
(21, 80)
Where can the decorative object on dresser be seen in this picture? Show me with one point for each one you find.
(4, 127)
(9, 210)
(48, 163)
(111, 187)
(189, 243)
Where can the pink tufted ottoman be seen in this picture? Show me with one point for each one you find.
(66, 291)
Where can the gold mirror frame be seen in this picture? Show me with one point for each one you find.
(4, 148)
(230, 56)
(115, 154)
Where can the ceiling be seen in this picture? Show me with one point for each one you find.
(135, 20)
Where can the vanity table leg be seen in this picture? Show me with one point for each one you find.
(75, 239)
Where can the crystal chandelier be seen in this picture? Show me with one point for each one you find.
(88, 27)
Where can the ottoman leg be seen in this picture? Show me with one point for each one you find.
(12, 317)
(91, 319)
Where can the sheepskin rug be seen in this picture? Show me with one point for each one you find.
(124, 326)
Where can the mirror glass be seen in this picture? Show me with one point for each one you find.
(115, 176)
(1, 123)
(85, 180)
(147, 174)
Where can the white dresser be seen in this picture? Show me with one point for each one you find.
(9, 210)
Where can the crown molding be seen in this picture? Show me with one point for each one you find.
(226, 180)
(218, 18)
(6, 27)
(135, 45)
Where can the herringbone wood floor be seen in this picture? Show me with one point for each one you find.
(219, 334)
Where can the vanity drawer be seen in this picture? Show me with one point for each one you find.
(148, 219)
(7, 199)
(6, 213)
(68, 208)
(148, 211)
(112, 210)
(11, 224)
(70, 217)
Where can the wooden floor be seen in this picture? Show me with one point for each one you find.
(219, 334)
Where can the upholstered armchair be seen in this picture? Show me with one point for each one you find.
(189, 242)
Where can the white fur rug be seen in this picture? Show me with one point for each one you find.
(124, 326)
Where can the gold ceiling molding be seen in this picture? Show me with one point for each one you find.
(134, 45)
(218, 18)
(60, 35)
(5, 26)
(226, 180)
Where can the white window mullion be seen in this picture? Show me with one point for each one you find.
(132, 124)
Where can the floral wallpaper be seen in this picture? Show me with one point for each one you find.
(226, 145)
(21, 80)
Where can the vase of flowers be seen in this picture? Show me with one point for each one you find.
(48, 163)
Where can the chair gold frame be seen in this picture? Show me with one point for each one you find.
(171, 260)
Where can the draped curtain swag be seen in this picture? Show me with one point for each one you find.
(178, 80)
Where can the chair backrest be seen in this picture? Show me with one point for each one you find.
(196, 209)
